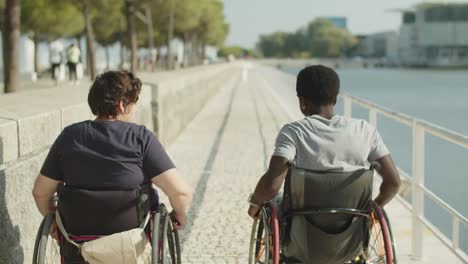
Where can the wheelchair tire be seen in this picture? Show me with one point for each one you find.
(391, 236)
(176, 243)
(155, 238)
(44, 242)
(264, 242)
(166, 254)
(274, 225)
(37, 241)
(167, 244)
(380, 246)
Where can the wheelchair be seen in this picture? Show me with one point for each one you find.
(329, 218)
(83, 212)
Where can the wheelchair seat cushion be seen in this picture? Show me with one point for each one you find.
(89, 212)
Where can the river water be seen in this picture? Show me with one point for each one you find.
(437, 96)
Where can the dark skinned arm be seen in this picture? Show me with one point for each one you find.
(391, 180)
(270, 184)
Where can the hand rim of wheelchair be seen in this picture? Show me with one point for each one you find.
(374, 212)
(258, 243)
(161, 218)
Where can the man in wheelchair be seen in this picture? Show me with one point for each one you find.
(325, 159)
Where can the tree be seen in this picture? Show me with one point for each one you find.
(11, 44)
(85, 7)
(272, 45)
(235, 51)
(212, 27)
(130, 8)
(320, 38)
(106, 25)
(188, 14)
(2, 28)
(295, 45)
(327, 40)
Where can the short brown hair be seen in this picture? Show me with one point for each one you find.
(111, 87)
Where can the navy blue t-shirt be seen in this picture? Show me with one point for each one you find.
(106, 155)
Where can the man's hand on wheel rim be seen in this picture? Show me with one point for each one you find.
(254, 212)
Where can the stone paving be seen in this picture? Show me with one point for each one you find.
(223, 152)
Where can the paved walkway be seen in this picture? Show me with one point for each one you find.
(222, 154)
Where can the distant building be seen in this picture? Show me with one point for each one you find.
(341, 22)
(434, 34)
(383, 45)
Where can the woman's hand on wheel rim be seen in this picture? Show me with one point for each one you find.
(53, 231)
(178, 219)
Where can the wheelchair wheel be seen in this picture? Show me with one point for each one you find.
(46, 249)
(379, 248)
(264, 241)
(155, 238)
(391, 236)
(166, 249)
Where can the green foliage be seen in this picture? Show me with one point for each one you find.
(187, 15)
(200, 21)
(326, 40)
(49, 17)
(272, 45)
(212, 27)
(105, 17)
(237, 52)
(2, 10)
(320, 38)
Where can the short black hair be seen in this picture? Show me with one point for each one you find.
(111, 87)
(318, 84)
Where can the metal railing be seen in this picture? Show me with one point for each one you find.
(418, 190)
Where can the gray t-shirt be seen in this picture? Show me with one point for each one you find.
(338, 144)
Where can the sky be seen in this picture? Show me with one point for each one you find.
(250, 18)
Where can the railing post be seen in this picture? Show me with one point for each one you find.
(417, 193)
(455, 232)
(348, 107)
(373, 117)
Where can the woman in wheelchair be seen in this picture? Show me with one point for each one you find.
(103, 169)
(324, 158)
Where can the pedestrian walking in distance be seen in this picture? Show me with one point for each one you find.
(73, 58)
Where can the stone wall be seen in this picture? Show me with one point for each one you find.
(30, 122)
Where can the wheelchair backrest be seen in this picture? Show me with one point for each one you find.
(91, 212)
(313, 190)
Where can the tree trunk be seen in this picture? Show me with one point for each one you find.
(149, 20)
(11, 42)
(78, 44)
(107, 58)
(186, 50)
(89, 41)
(122, 47)
(131, 34)
(36, 53)
(194, 59)
(158, 56)
(203, 52)
(170, 34)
